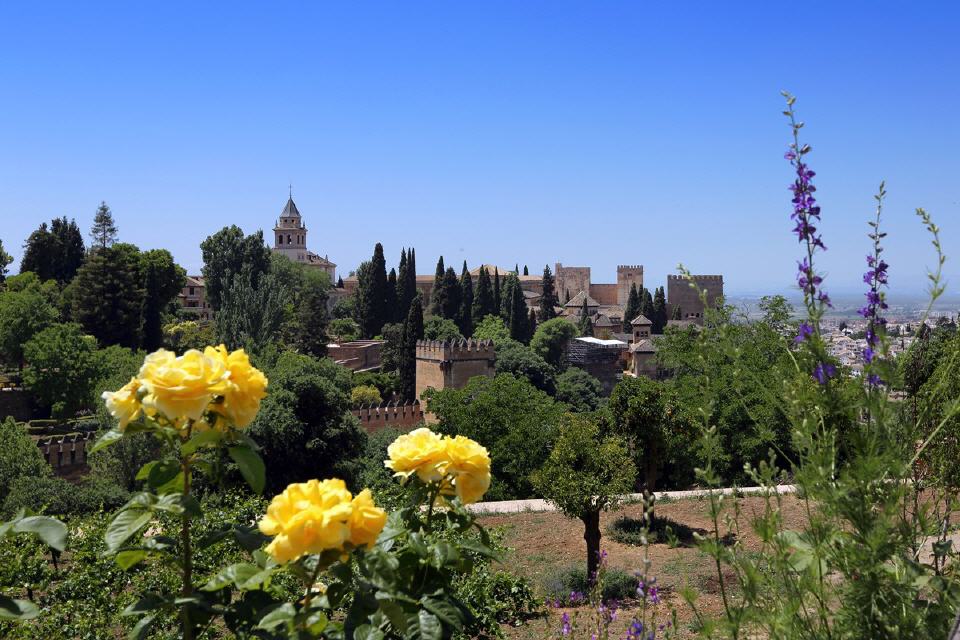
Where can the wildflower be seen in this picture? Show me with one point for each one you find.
(823, 372)
(565, 627)
(804, 331)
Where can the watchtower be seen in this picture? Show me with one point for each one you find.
(681, 294)
(450, 365)
(628, 275)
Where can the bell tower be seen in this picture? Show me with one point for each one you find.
(290, 234)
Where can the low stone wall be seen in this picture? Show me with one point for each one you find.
(405, 416)
(66, 453)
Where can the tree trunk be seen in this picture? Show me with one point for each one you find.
(650, 479)
(591, 535)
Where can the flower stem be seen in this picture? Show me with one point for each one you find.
(187, 590)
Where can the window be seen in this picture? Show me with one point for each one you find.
(280, 239)
(289, 241)
(192, 291)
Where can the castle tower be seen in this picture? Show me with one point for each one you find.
(628, 275)
(290, 234)
(450, 365)
(681, 294)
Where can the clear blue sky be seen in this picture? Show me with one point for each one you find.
(592, 133)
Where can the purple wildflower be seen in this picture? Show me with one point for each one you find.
(875, 277)
(565, 627)
(804, 331)
(824, 371)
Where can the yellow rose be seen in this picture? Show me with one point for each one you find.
(182, 387)
(366, 520)
(123, 404)
(308, 517)
(421, 451)
(469, 466)
(248, 386)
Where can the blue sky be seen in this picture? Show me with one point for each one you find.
(587, 133)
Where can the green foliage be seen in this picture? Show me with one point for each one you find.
(371, 310)
(483, 305)
(162, 281)
(387, 384)
(465, 313)
(413, 330)
(19, 456)
(54, 253)
(586, 473)
(391, 352)
(27, 307)
(515, 422)
(491, 327)
(343, 330)
(516, 315)
(548, 297)
(639, 532)
(5, 260)
(632, 310)
(55, 496)
(344, 308)
(104, 231)
(444, 329)
(659, 318)
(551, 339)
(61, 368)
(252, 311)
(618, 585)
(579, 390)
(438, 295)
(51, 533)
(305, 427)
(522, 362)
(228, 253)
(107, 295)
(495, 598)
(188, 334)
(365, 395)
(451, 295)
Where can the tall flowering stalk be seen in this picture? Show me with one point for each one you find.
(806, 217)
(876, 278)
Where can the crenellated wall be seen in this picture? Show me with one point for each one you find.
(66, 453)
(450, 365)
(681, 293)
(404, 415)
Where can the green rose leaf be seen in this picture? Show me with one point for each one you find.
(425, 626)
(141, 629)
(130, 557)
(124, 525)
(162, 472)
(110, 437)
(284, 614)
(11, 609)
(50, 530)
(242, 575)
(251, 466)
(202, 439)
(445, 610)
(368, 632)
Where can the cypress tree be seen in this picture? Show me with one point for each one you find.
(516, 269)
(586, 324)
(412, 331)
(466, 302)
(506, 298)
(483, 299)
(548, 298)
(411, 286)
(372, 294)
(646, 304)
(340, 282)
(519, 320)
(632, 310)
(451, 289)
(532, 329)
(402, 287)
(526, 271)
(659, 318)
(104, 231)
(313, 318)
(497, 300)
(438, 297)
(392, 307)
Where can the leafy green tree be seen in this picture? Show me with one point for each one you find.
(551, 339)
(777, 314)
(104, 231)
(19, 455)
(443, 329)
(659, 318)
(413, 331)
(578, 389)
(61, 369)
(492, 328)
(515, 422)
(344, 308)
(343, 330)
(107, 296)
(483, 299)
(313, 320)
(520, 360)
(587, 473)
(642, 412)
(5, 260)
(365, 395)
(26, 309)
(451, 292)
(465, 315)
(632, 310)
(225, 255)
(548, 297)
(391, 353)
(162, 281)
(55, 252)
(438, 296)
(304, 426)
(251, 315)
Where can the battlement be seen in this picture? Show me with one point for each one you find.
(695, 278)
(400, 415)
(455, 350)
(629, 267)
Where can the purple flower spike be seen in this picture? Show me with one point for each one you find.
(804, 331)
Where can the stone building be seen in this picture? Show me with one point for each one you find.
(681, 294)
(193, 299)
(290, 240)
(450, 365)
(572, 280)
(358, 355)
(603, 359)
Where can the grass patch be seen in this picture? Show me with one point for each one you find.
(561, 583)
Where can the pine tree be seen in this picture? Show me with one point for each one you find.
(466, 302)
(104, 231)
(438, 297)
(548, 298)
(526, 271)
(483, 299)
(519, 322)
(412, 331)
(390, 299)
(497, 295)
(632, 310)
(451, 289)
(659, 318)
(586, 324)
(107, 296)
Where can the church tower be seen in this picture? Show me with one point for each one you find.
(290, 234)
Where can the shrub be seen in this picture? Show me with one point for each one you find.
(56, 496)
(627, 530)
(578, 389)
(19, 456)
(363, 395)
(561, 584)
(61, 368)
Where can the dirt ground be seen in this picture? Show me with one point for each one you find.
(543, 543)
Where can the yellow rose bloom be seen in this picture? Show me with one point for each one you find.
(123, 404)
(366, 520)
(422, 452)
(308, 517)
(182, 387)
(469, 465)
(248, 386)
